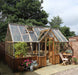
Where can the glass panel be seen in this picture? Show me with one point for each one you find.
(22, 29)
(11, 49)
(26, 37)
(15, 33)
(64, 39)
(37, 31)
(8, 48)
(56, 34)
(43, 28)
(51, 35)
(33, 36)
(42, 34)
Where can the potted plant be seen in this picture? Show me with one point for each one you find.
(74, 60)
(26, 64)
(20, 49)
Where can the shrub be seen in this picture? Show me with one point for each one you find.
(74, 59)
(21, 48)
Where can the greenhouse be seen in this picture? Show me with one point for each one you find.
(42, 43)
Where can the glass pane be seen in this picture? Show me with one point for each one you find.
(42, 34)
(50, 34)
(37, 31)
(43, 28)
(33, 36)
(26, 37)
(63, 38)
(11, 49)
(56, 34)
(22, 29)
(15, 33)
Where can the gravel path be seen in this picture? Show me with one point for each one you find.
(73, 71)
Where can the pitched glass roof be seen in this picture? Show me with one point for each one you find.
(20, 33)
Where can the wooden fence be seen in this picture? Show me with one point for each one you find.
(2, 50)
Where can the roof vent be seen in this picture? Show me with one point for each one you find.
(30, 29)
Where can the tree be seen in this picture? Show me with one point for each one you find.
(66, 31)
(55, 22)
(26, 12)
(22, 10)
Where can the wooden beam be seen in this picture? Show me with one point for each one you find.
(54, 36)
(9, 41)
(35, 33)
(39, 49)
(29, 35)
(40, 35)
(45, 46)
(45, 35)
(36, 48)
(20, 34)
(11, 32)
(53, 54)
(49, 44)
(44, 30)
(31, 45)
(59, 36)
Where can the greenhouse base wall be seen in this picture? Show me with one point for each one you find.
(14, 63)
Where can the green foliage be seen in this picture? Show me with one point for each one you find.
(74, 59)
(26, 12)
(55, 22)
(66, 31)
(32, 22)
(51, 42)
(3, 30)
(21, 48)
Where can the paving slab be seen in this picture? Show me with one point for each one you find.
(48, 70)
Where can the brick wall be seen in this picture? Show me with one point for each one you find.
(74, 46)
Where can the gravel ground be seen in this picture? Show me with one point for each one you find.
(73, 71)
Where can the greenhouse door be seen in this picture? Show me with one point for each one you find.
(51, 51)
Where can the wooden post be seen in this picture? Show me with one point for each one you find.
(13, 50)
(36, 48)
(31, 44)
(39, 48)
(53, 53)
(49, 44)
(45, 46)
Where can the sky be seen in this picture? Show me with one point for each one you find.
(66, 9)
